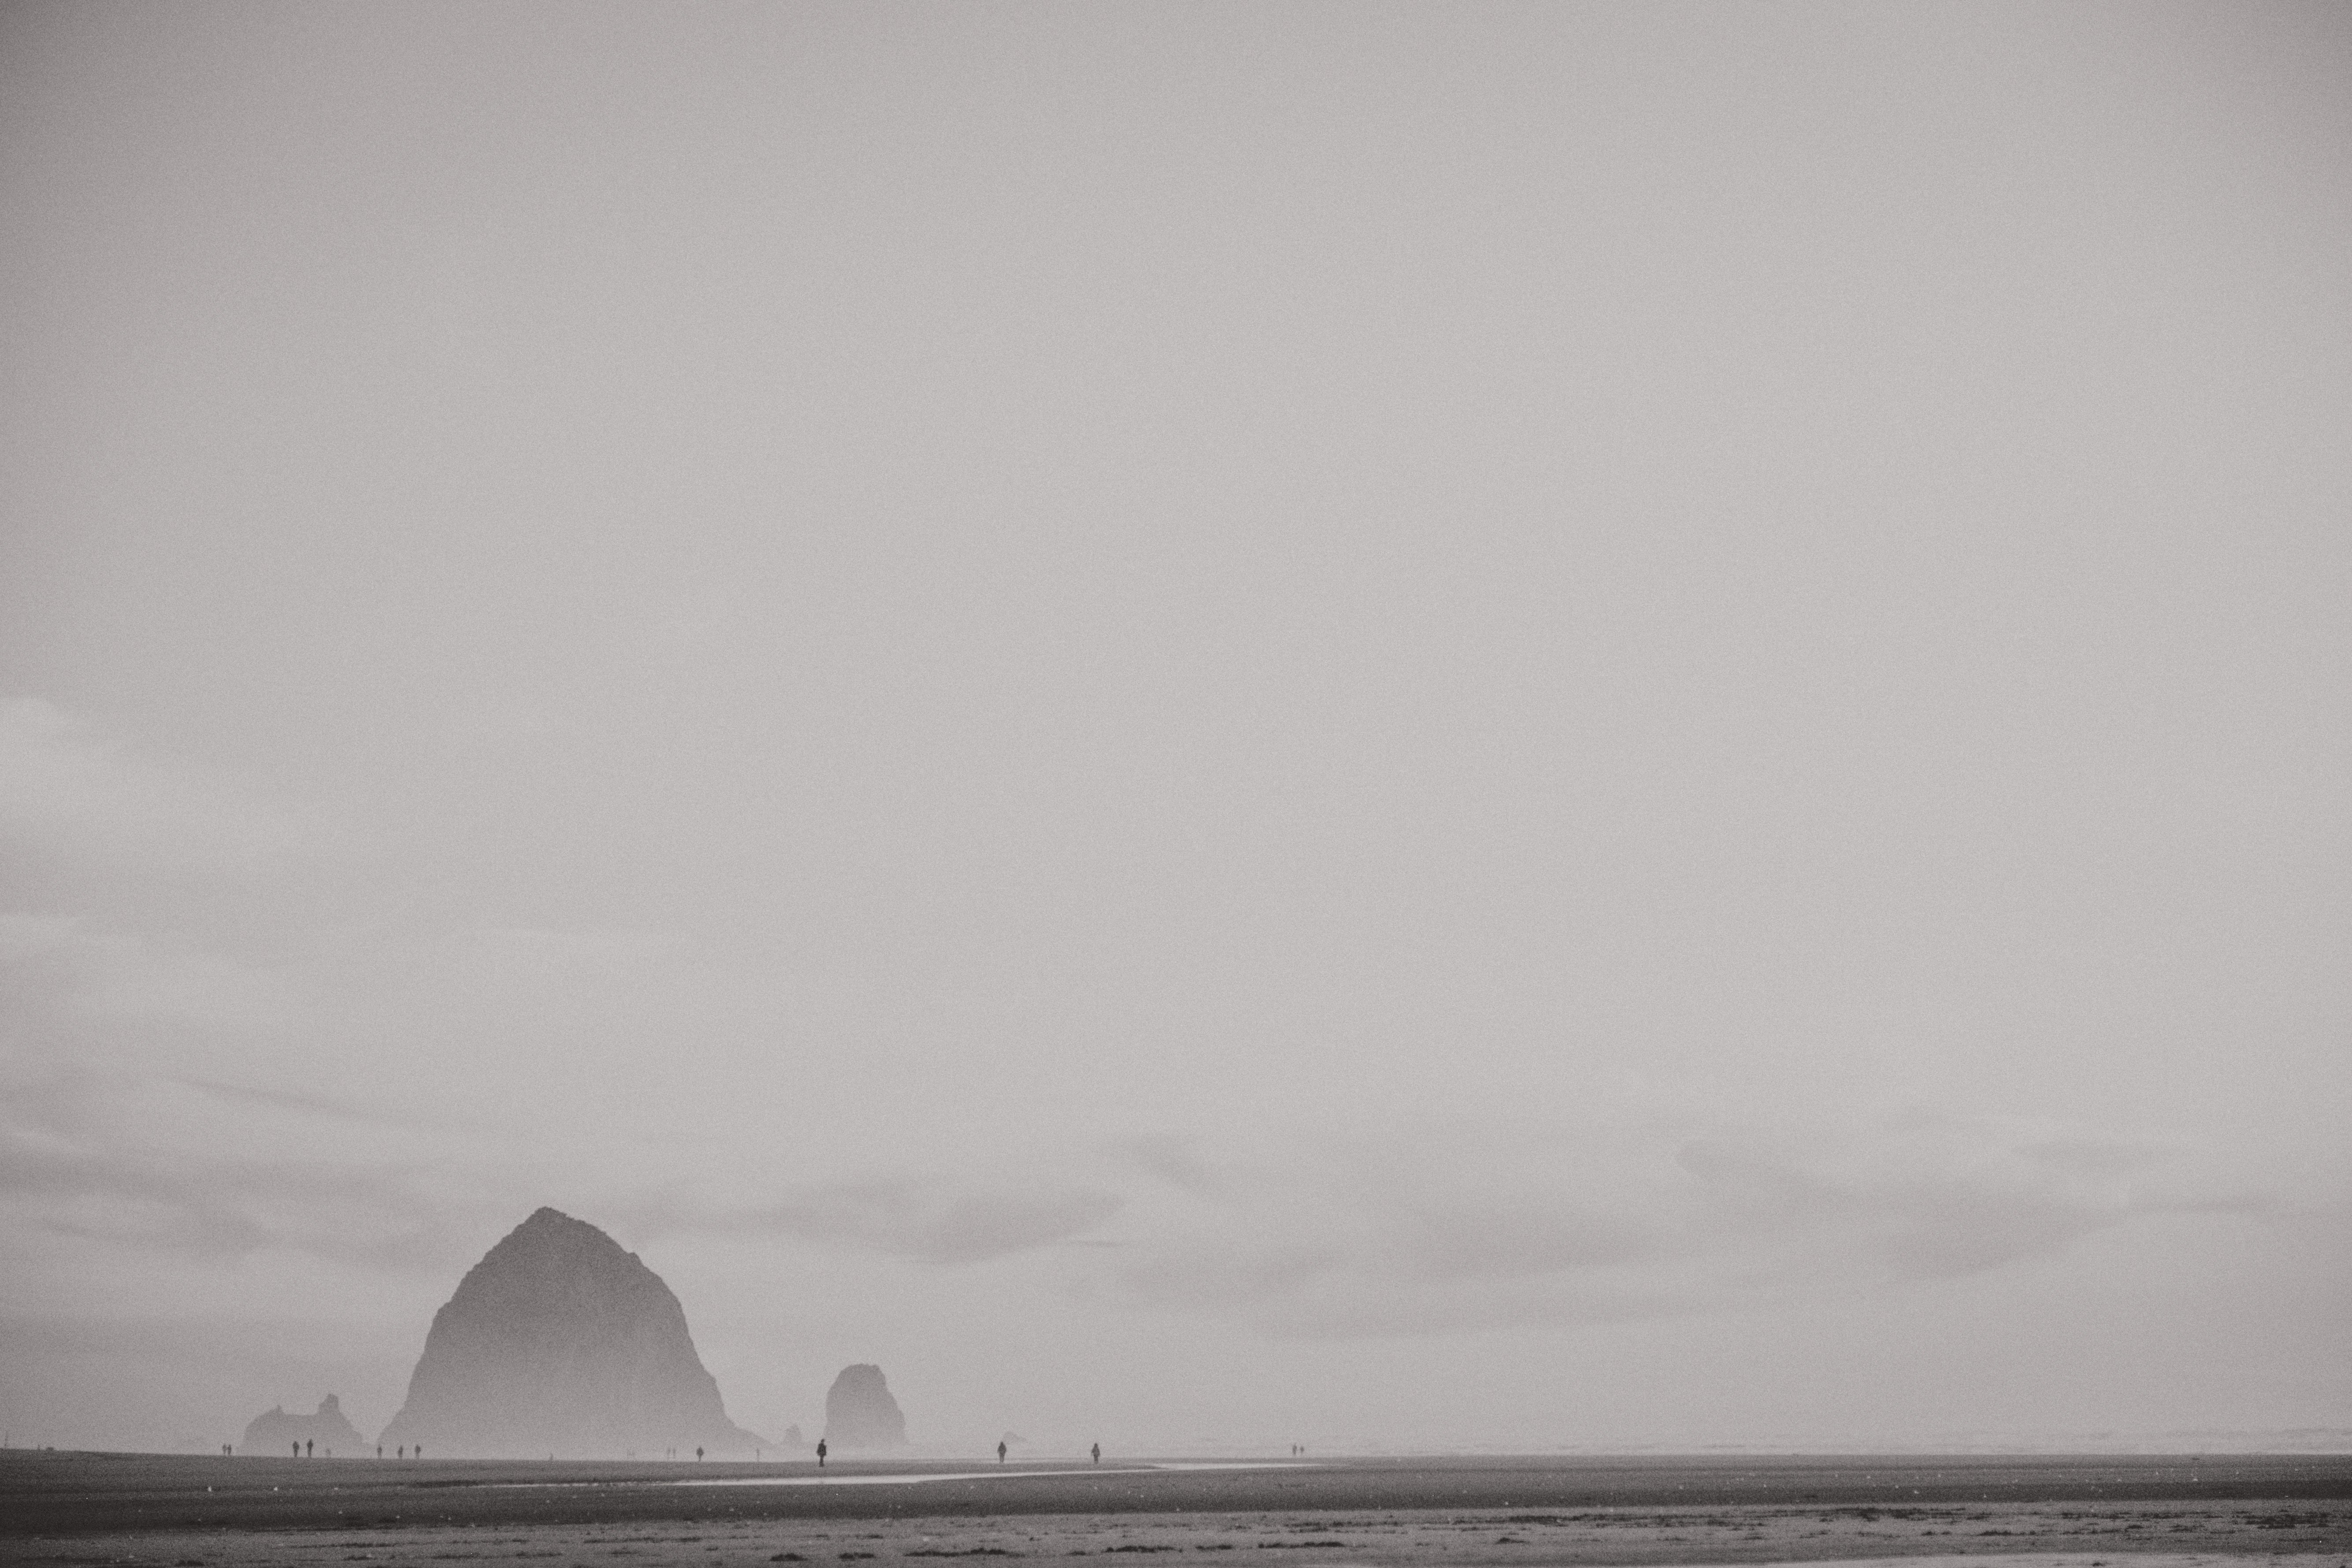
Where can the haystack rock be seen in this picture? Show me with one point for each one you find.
(326, 1430)
(860, 1412)
(559, 1343)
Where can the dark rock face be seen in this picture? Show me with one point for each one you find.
(860, 1412)
(329, 1430)
(559, 1343)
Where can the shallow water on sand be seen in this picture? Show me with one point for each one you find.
(839, 1479)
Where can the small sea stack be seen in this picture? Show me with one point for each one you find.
(327, 1429)
(860, 1412)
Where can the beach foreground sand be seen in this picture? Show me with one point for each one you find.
(2233, 1512)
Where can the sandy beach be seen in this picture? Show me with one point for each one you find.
(2055, 1513)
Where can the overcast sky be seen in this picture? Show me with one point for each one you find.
(1416, 725)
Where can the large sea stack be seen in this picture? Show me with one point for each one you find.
(860, 1412)
(559, 1342)
(275, 1431)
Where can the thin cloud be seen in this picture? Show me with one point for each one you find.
(1175, 1161)
(1532, 1228)
(76, 968)
(1915, 1224)
(301, 1104)
(927, 1221)
(2094, 1156)
(67, 788)
(65, 1169)
(229, 1211)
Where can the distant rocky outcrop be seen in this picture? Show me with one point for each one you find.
(860, 1412)
(558, 1342)
(327, 1430)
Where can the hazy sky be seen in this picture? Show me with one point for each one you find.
(1419, 725)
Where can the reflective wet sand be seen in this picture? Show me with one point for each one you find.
(2059, 1512)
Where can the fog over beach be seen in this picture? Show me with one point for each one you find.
(1403, 728)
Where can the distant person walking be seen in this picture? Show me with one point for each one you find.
(820, 1453)
(1000, 1453)
(1097, 1453)
(698, 1453)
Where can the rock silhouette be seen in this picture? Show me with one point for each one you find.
(860, 1412)
(558, 1342)
(328, 1428)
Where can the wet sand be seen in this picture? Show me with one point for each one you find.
(848, 1477)
(2056, 1512)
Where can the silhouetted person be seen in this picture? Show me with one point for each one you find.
(1000, 1453)
(1097, 1452)
(298, 1450)
(820, 1453)
(224, 1450)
